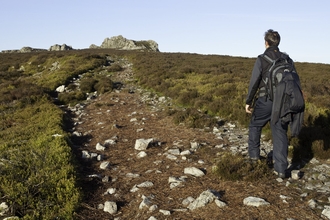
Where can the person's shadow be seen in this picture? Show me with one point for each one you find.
(313, 141)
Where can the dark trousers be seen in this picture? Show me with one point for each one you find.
(261, 115)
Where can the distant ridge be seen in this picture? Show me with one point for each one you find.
(116, 42)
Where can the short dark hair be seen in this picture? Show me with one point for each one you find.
(272, 37)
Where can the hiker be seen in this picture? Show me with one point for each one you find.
(260, 106)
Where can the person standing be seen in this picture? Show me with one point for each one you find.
(261, 112)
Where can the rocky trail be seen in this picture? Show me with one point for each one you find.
(137, 164)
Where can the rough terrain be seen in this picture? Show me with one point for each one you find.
(116, 120)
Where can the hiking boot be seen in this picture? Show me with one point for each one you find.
(254, 160)
(280, 175)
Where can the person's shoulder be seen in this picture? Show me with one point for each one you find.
(287, 55)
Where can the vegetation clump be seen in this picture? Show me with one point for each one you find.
(232, 167)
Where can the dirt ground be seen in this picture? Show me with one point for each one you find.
(110, 115)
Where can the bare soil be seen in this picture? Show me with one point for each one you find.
(110, 116)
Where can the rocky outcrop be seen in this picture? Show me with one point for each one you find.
(58, 47)
(116, 42)
(24, 50)
(119, 42)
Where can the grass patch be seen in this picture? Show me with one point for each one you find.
(237, 168)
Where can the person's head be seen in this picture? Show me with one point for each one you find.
(272, 38)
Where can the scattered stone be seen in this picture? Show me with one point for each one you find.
(153, 208)
(60, 89)
(220, 203)
(312, 203)
(132, 175)
(255, 201)
(100, 147)
(171, 157)
(105, 165)
(295, 174)
(203, 199)
(142, 144)
(165, 212)
(174, 151)
(146, 202)
(194, 145)
(186, 152)
(141, 154)
(3, 208)
(145, 184)
(193, 171)
(326, 212)
(110, 207)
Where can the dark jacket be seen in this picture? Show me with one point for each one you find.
(259, 70)
(293, 111)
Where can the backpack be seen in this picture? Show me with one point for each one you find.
(283, 88)
(275, 72)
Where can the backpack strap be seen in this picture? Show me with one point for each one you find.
(270, 60)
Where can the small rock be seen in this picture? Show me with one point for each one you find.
(110, 207)
(165, 212)
(142, 144)
(100, 147)
(193, 171)
(220, 203)
(254, 201)
(105, 165)
(141, 154)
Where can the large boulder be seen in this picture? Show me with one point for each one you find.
(119, 42)
(58, 47)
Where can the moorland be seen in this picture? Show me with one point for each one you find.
(39, 174)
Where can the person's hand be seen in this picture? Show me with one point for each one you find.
(248, 109)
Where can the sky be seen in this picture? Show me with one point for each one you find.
(231, 27)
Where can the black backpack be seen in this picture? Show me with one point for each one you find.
(283, 86)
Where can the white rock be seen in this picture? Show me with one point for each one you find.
(111, 191)
(193, 171)
(134, 189)
(254, 201)
(145, 202)
(3, 208)
(194, 145)
(171, 157)
(220, 203)
(174, 151)
(173, 185)
(145, 184)
(153, 208)
(187, 200)
(60, 88)
(132, 175)
(312, 203)
(109, 142)
(105, 165)
(110, 207)
(142, 144)
(326, 212)
(162, 98)
(185, 152)
(203, 199)
(100, 147)
(141, 154)
(85, 154)
(165, 212)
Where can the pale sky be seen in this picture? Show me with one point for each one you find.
(231, 27)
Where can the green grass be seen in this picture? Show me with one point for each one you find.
(37, 173)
